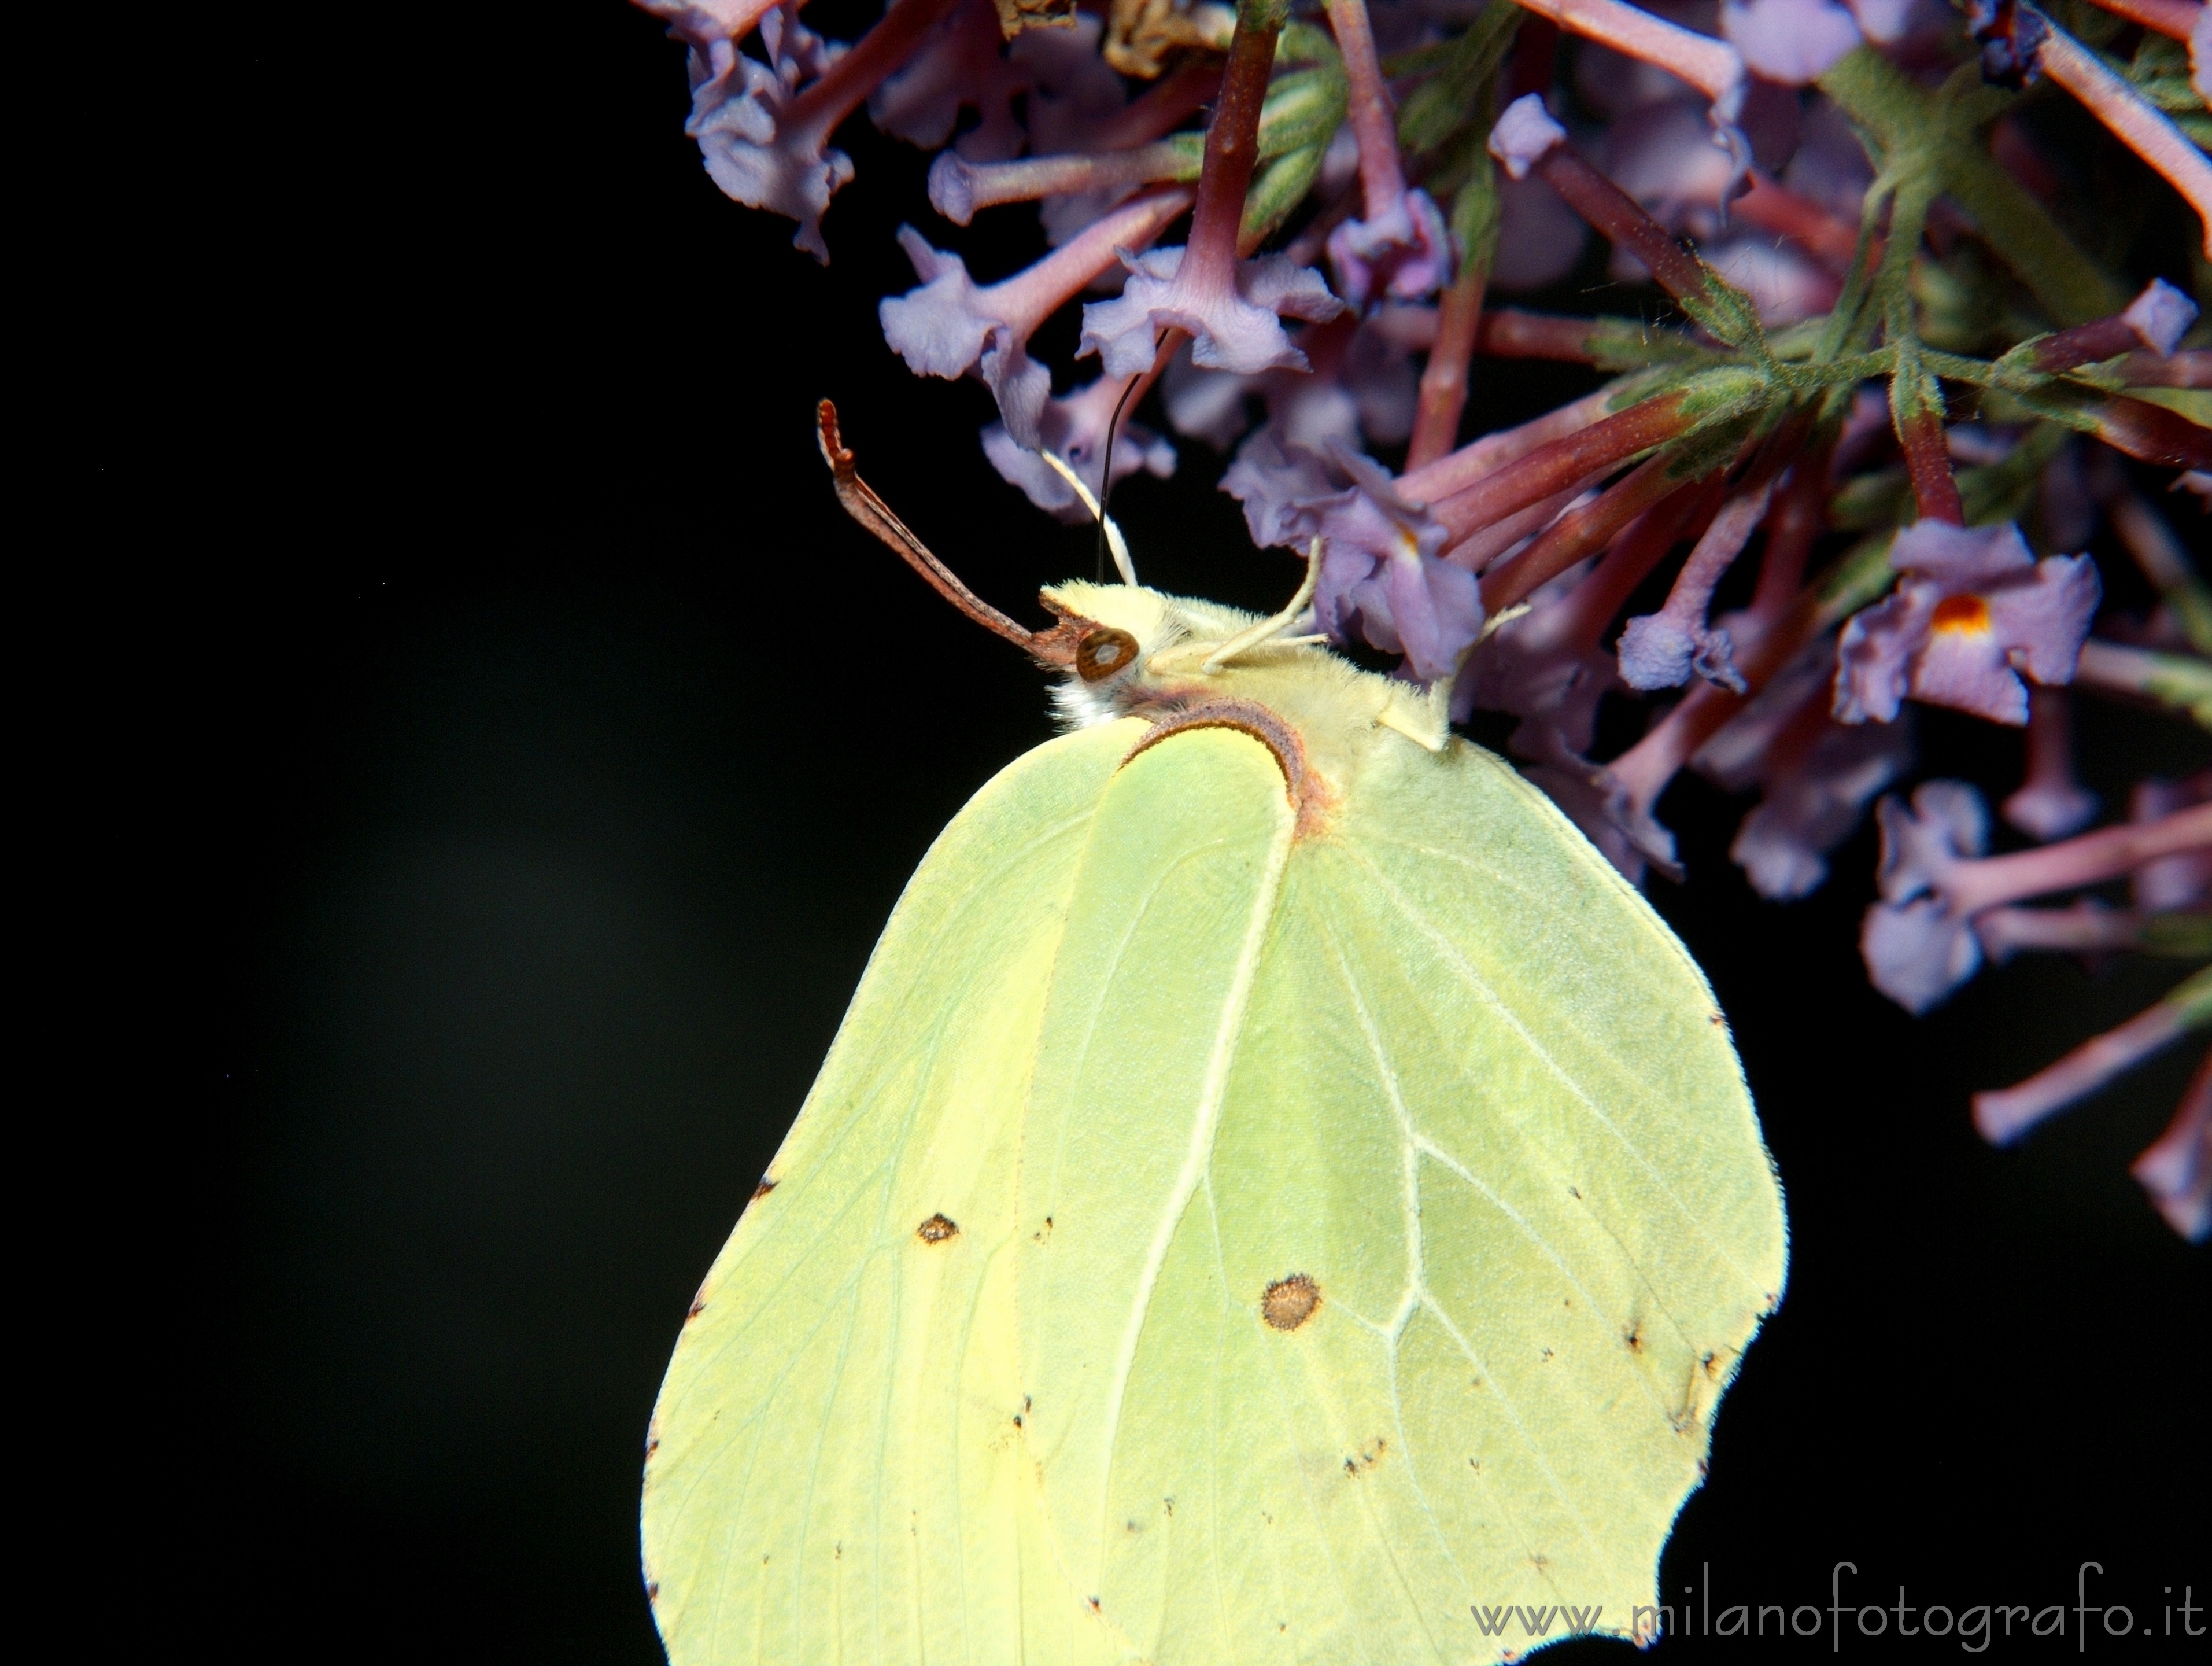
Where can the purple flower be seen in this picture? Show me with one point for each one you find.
(1234, 326)
(1409, 249)
(1817, 776)
(1948, 824)
(1361, 382)
(1382, 579)
(1660, 650)
(2160, 316)
(1917, 953)
(753, 132)
(1789, 41)
(1541, 667)
(962, 63)
(1073, 429)
(1973, 609)
(949, 326)
(1917, 948)
(1524, 134)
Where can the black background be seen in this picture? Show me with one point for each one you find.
(535, 753)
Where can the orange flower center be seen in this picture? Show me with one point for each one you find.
(1963, 613)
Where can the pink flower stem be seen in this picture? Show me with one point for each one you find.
(1030, 296)
(2086, 344)
(2002, 1116)
(2181, 681)
(1581, 615)
(1551, 467)
(1470, 462)
(1691, 596)
(1622, 219)
(1791, 530)
(1443, 379)
(2086, 927)
(1928, 461)
(897, 34)
(1968, 887)
(2173, 18)
(1644, 770)
(1232, 150)
(958, 187)
(1374, 115)
(2176, 1168)
(2190, 367)
(1576, 534)
(2134, 121)
(1507, 332)
(1579, 532)
(1713, 67)
(1171, 100)
(2150, 433)
(1827, 238)
(1478, 551)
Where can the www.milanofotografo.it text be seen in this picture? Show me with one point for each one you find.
(1848, 1616)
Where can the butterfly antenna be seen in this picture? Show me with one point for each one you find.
(1106, 471)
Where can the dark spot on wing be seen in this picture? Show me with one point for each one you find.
(653, 1591)
(936, 1230)
(1634, 1336)
(1289, 1302)
(698, 1305)
(1362, 1461)
(767, 1185)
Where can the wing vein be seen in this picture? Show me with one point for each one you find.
(1213, 1090)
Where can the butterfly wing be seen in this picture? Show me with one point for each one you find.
(836, 1471)
(1441, 1071)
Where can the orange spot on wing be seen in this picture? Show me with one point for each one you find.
(1960, 613)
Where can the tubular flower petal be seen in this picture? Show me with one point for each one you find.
(743, 116)
(1918, 953)
(963, 61)
(1073, 429)
(2182, 880)
(1973, 610)
(1811, 807)
(2002, 1117)
(950, 325)
(1916, 947)
(1816, 776)
(2051, 803)
(1412, 247)
(1524, 134)
(1382, 580)
(1789, 41)
(1920, 846)
(1237, 328)
(2176, 1168)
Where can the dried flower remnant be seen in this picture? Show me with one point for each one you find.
(1884, 388)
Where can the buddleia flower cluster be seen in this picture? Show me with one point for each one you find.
(1886, 379)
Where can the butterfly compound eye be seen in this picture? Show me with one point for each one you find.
(1102, 653)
